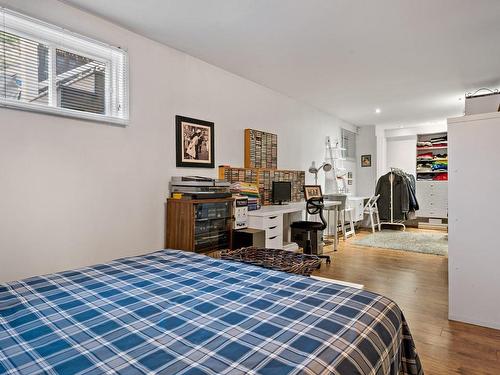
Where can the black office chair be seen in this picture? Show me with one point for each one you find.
(314, 206)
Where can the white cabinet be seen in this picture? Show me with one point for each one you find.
(474, 254)
(272, 224)
(432, 198)
(357, 204)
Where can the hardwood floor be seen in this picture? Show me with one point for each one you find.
(418, 283)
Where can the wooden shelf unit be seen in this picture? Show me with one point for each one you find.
(263, 178)
(261, 149)
(199, 225)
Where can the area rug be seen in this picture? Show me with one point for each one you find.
(428, 243)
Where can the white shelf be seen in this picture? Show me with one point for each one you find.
(432, 172)
(476, 117)
(432, 193)
(432, 148)
(433, 181)
(431, 160)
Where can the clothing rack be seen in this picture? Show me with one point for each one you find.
(392, 221)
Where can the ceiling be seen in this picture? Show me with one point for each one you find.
(412, 59)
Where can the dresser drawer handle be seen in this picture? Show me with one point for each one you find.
(272, 217)
(272, 238)
(273, 227)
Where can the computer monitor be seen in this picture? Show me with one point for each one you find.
(282, 192)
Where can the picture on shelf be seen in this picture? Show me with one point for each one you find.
(366, 160)
(194, 143)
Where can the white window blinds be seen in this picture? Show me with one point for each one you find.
(349, 144)
(48, 69)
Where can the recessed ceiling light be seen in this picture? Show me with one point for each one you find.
(377, 110)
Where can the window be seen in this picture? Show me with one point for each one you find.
(48, 69)
(348, 144)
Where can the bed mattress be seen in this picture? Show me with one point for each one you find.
(173, 312)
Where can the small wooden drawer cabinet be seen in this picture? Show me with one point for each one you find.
(199, 225)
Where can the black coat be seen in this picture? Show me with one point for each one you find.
(401, 197)
(412, 190)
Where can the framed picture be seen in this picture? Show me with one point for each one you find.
(312, 191)
(194, 143)
(366, 160)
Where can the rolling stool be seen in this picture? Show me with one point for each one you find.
(314, 206)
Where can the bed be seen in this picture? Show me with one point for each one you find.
(174, 312)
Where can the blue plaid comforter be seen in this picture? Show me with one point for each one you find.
(173, 312)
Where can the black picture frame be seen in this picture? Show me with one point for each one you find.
(366, 161)
(194, 143)
(312, 191)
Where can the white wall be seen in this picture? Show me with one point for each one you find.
(474, 250)
(74, 192)
(366, 144)
(402, 154)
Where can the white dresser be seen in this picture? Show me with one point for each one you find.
(357, 204)
(432, 198)
(272, 225)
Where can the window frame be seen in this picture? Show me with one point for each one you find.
(348, 153)
(57, 38)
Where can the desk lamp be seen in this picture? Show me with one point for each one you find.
(327, 167)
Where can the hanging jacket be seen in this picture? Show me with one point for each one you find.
(401, 197)
(412, 191)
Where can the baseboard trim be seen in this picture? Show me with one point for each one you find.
(456, 318)
(422, 225)
(333, 281)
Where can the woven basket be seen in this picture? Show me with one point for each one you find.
(276, 259)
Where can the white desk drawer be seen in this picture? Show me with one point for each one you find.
(273, 221)
(437, 214)
(274, 230)
(266, 222)
(274, 242)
